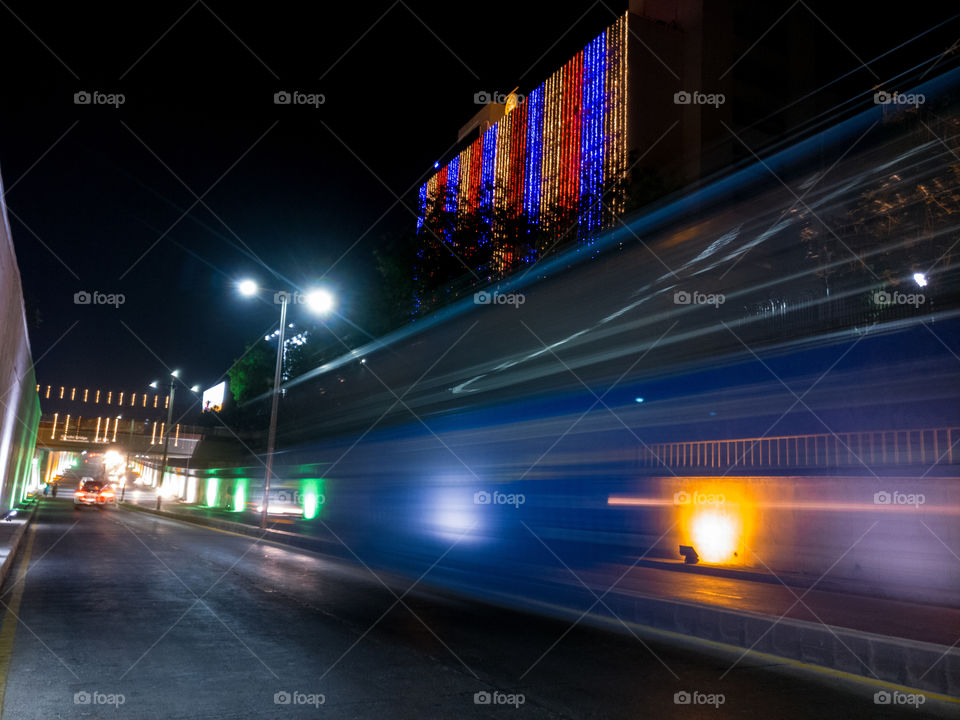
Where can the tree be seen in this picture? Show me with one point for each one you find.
(252, 374)
(393, 303)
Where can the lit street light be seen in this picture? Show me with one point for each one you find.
(172, 387)
(320, 302)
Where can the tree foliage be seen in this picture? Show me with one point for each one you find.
(252, 374)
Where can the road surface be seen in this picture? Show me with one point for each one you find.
(124, 614)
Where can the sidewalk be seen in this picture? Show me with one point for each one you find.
(12, 532)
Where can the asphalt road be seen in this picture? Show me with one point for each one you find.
(123, 614)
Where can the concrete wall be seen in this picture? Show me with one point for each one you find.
(19, 404)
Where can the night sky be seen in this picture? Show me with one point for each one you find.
(97, 194)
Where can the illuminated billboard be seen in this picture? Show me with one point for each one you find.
(213, 397)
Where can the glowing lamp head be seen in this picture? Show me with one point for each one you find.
(920, 279)
(247, 288)
(715, 536)
(320, 302)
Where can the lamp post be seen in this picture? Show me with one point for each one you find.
(172, 387)
(320, 302)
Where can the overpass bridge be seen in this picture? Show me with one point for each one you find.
(133, 437)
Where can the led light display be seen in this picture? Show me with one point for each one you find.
(555, 159)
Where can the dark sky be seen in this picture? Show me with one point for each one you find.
(97, 195)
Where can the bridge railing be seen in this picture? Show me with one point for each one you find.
(927, 446)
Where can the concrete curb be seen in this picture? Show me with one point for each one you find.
(15, 543)
(829, 652)
(851, 655)
(908, 663)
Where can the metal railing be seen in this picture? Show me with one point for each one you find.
(928, 446)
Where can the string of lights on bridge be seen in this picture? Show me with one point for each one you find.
(94, 396)
(103, 432)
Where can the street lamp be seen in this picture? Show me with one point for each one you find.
(172, 387)
(319, 301)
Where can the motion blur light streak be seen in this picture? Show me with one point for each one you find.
(926, 508)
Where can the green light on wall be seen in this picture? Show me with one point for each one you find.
(240, 495)
(213, 491)
(311, 490)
